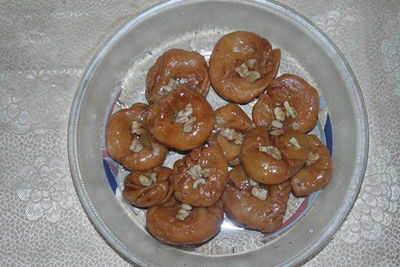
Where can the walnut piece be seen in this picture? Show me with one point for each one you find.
(153, 177)
(251, 63)
(169, 87)
(245, 71)
(183, 212)
(145, 181)
(252, 76)
(198, 182)
(252, 182)
(197, 171)
(232, 135)
(294, 142)
(290, 110)
(277, 132)
(242, 70)
(279, 114)
(312, 158)
(295, 126)
(136, 129)
(185, 117)
(271, 151)
(136, 146)
(277, 124)
(186, 206)
(219, 120)
(259, 192)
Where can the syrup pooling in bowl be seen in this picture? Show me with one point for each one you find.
(231, 239)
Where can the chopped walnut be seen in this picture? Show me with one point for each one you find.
(252, 76)
(312, 158)
(259, 192)
(188, 126)
(277, 124)
(153, 177)
(234, 162)
(181, 80)
(183, 212)
(227, 133)
(135, 128)
(272, 151)
(279, 114)
(238, 138)
(244, 72)
(145, 181)
(185, 117)
(170, 86)
(136, 146)
(251, 63)
(252, 182)
(219, 120)
(186, 206)
(277, 132)
(290, 110)
(295, 126)
(294, 142)
(198, 182)
(197, 171)
(232, 135)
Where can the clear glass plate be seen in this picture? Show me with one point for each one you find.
(118, 71)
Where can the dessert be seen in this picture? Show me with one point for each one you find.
(242, 65)
(271, 153)
(177, 67)
(183, 120)
(129, 141)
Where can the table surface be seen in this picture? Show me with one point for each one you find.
(44, 49)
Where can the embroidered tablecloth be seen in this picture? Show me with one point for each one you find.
(45, 47)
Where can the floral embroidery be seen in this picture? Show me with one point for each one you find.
(46, 189)
(390, 47)
(377, 201)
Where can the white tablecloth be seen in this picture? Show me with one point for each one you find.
(44, 49)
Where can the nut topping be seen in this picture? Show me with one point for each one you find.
(136, 146)
(232, 135)
(290, 110)
(259, 192)
(312, 158)
(279, 114)
(185, 117)
(183, 212)
(294, 142)
(245, 71)
(271, 151)
(135, 128)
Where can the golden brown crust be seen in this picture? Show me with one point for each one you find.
(230, 52)
(248, 211)
(263, 112)
(177, 64)
(300, 95)
(266, 169)
(163, 125)
(316, 176)
(201, 225)
(156, 193)
(119, 139)
(230, 117)
(206, 194)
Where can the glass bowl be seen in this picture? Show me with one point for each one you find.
(118, 72)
